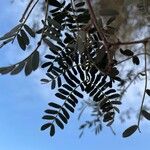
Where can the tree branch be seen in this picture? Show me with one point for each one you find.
(100, 32)
(145, 40)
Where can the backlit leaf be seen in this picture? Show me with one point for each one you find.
(29, 30)
(69, 107)
(63, 118)
(54, 105)
(25, 37)
(61, 96)
(146, 114)
(135, 60)
(18, 68)
(45, 126)
(28, 67)
(54, 3)
(148, 92)
(129, 131)
(53, 85)
(52, 130)
(59, 123)
(35, 60)
(21, 42)
(65, 113)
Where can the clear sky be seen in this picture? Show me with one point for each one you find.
(23, 101)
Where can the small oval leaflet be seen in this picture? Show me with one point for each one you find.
(146, 114)
(25, 37)
(65, 113)
(148, 92)
(126, 52)
(80, 4)
(63, 118)
(59, 81)
(46, 64)
(5, 70)
(45, 80)
(61, 96)
(18, 68)
(135, 60)
(28, 67)
(52, 130)
(59, 123)
(48, 117)
(54, 3)
(45, 126)
(29, 30)
(129, 131)
(53, 85)
(54, 105)
(21, 42)
(63, 91)
(69, 107)
(35, 60)
(49, 111)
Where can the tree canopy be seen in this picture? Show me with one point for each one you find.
(88, 48)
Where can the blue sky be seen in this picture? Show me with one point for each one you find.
(23, 100)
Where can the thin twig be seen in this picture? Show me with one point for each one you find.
(145, 40)
(139, 117)
(23, 23)
(26, 10)
(132, 57)
(38, 43)
(131, 81)
(94, 20)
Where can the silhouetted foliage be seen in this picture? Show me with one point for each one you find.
(80, 60)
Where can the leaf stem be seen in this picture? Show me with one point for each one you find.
(139, 117)
(26, 10)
